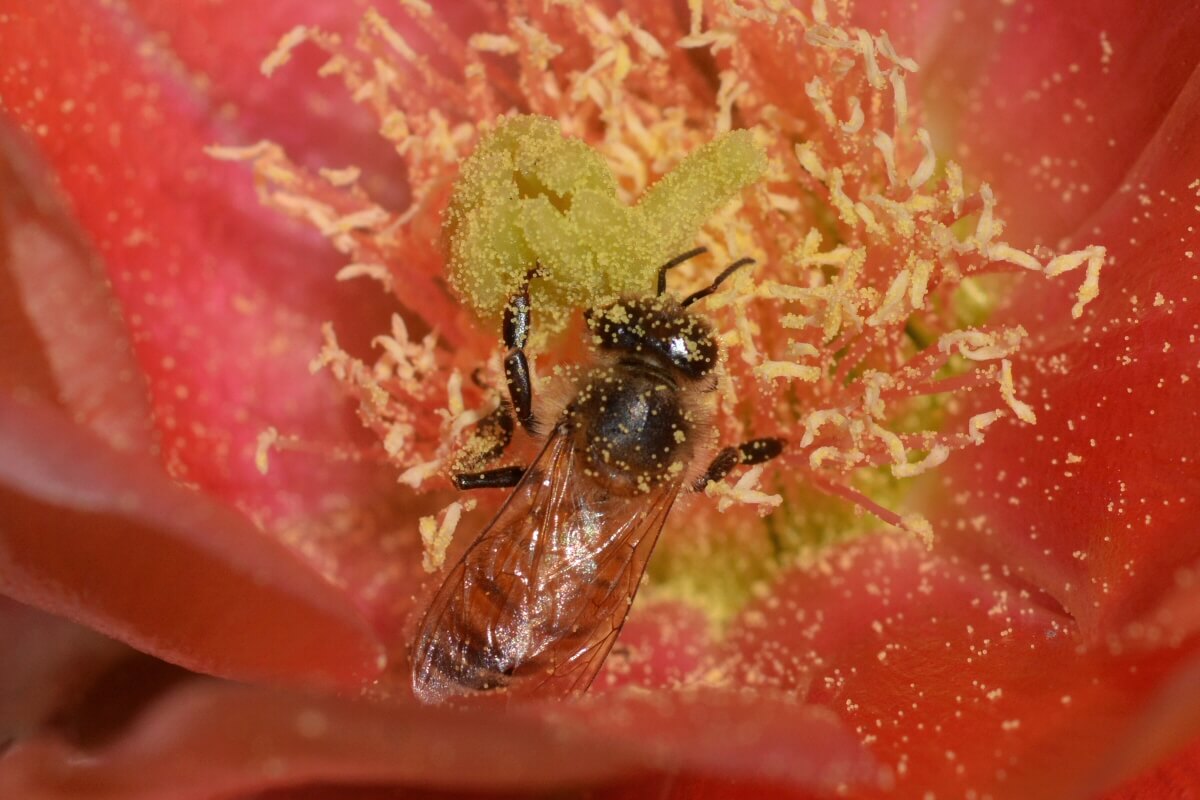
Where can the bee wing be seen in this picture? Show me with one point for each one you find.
(537, 601)
(594, 599)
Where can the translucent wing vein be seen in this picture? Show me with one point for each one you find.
(538, 600)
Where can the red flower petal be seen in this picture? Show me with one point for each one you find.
(1090, 504)
(661, 646)
(217, 740)
(760, 738)
(954, 677)
(64, 341)
(224, 298)
(1177, 615)
(45, 664)
(922, 30)
(1166, 720)
(1066, 98)
(1178, 778)
(211, 739)
(313, 118)
(107, 540)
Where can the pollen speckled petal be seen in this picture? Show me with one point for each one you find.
(334, 259)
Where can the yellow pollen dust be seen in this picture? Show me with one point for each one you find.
(529, 196)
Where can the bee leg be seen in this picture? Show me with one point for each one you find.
(499, 478)
(758, 451)
(755, 451)
(497, 428)
(675, 262)
(516, 364)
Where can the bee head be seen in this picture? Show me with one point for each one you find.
(658, 330)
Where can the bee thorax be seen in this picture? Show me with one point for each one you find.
(631, 427)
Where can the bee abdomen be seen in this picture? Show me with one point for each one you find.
(495, 644)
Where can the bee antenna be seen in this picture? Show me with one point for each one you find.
(675, 262)
(712, 287)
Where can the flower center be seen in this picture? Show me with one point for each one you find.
(861, 335)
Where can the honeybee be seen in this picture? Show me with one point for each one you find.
(537, 601)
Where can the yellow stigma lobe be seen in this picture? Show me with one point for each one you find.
(529, 195)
